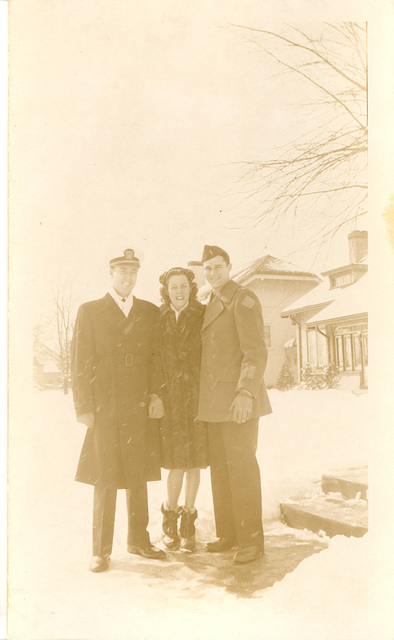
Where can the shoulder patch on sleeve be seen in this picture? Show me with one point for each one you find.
(248, 302)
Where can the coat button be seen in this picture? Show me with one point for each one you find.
(142, 404)
(212, 335)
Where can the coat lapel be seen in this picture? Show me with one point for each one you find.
(214, 309)
(134, 315)
(217, 303)
(227, 293)
(111, 311)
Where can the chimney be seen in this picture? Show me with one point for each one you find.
(198, 270)
(358, 246)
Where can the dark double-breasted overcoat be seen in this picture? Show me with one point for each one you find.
(112, 371)
(183, 439)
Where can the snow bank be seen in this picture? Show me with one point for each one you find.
(309, 433)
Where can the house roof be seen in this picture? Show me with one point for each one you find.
(317, 297)
(268, 265)
(354, 266)
(349, 301)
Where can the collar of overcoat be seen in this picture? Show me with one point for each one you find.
(194, 307)
(114, 315)
(217, 302)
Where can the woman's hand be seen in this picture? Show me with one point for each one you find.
(88, 419)
(156, 408)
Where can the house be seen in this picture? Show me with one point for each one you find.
(47, 375)
(332, 320)
(277, 284)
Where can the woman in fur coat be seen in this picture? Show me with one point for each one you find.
(183, 440)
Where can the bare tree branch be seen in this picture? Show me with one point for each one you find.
(327, 162)
(53, 335)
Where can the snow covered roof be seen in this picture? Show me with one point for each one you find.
(319, 296)
(349, 301)
(268, 265)
(354, 266)
(337, 302)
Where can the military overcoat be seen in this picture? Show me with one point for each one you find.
(112, 367)
(234, 354)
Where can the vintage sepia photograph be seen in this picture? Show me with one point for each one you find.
(201, 248)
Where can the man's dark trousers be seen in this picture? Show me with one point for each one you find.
(235, 478)
(104, 506)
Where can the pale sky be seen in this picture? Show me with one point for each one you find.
(127, 119)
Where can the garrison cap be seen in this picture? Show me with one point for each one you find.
(211, 251)
(128, 257)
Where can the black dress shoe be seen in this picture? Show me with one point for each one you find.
(146, 552)
(99, 563)
(248, 554)
(221, 544)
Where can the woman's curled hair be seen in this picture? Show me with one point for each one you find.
(177, 271)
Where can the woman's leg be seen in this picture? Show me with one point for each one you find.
(189, 512)
(174, 486)
(171, 511)
(191, 487)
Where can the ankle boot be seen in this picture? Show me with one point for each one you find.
(187, 529)
(170, 532)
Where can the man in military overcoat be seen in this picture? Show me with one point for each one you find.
(112, 361)
(233, 396)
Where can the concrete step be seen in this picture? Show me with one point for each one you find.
(331, 513)
(350, 483)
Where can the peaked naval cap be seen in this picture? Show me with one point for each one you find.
(129, 257)
(211, 251)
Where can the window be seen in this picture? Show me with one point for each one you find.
(356, 350)
(267, 335)
(347, 349)
(337, 281)
(351, 347)
(322, 355)
(312, 347)
(365, 348)
(339, 351)
(317, 348)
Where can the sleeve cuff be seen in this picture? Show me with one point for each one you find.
(244, 392)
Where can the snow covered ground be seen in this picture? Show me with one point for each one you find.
(54, 596)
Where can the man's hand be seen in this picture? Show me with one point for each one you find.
(156, 408)
(241, 408)
(88, 419)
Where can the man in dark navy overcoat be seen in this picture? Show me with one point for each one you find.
(232, 398)
(112, 373)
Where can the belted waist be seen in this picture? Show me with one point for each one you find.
(127, 359)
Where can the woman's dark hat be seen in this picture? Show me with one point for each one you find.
(129, 257)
